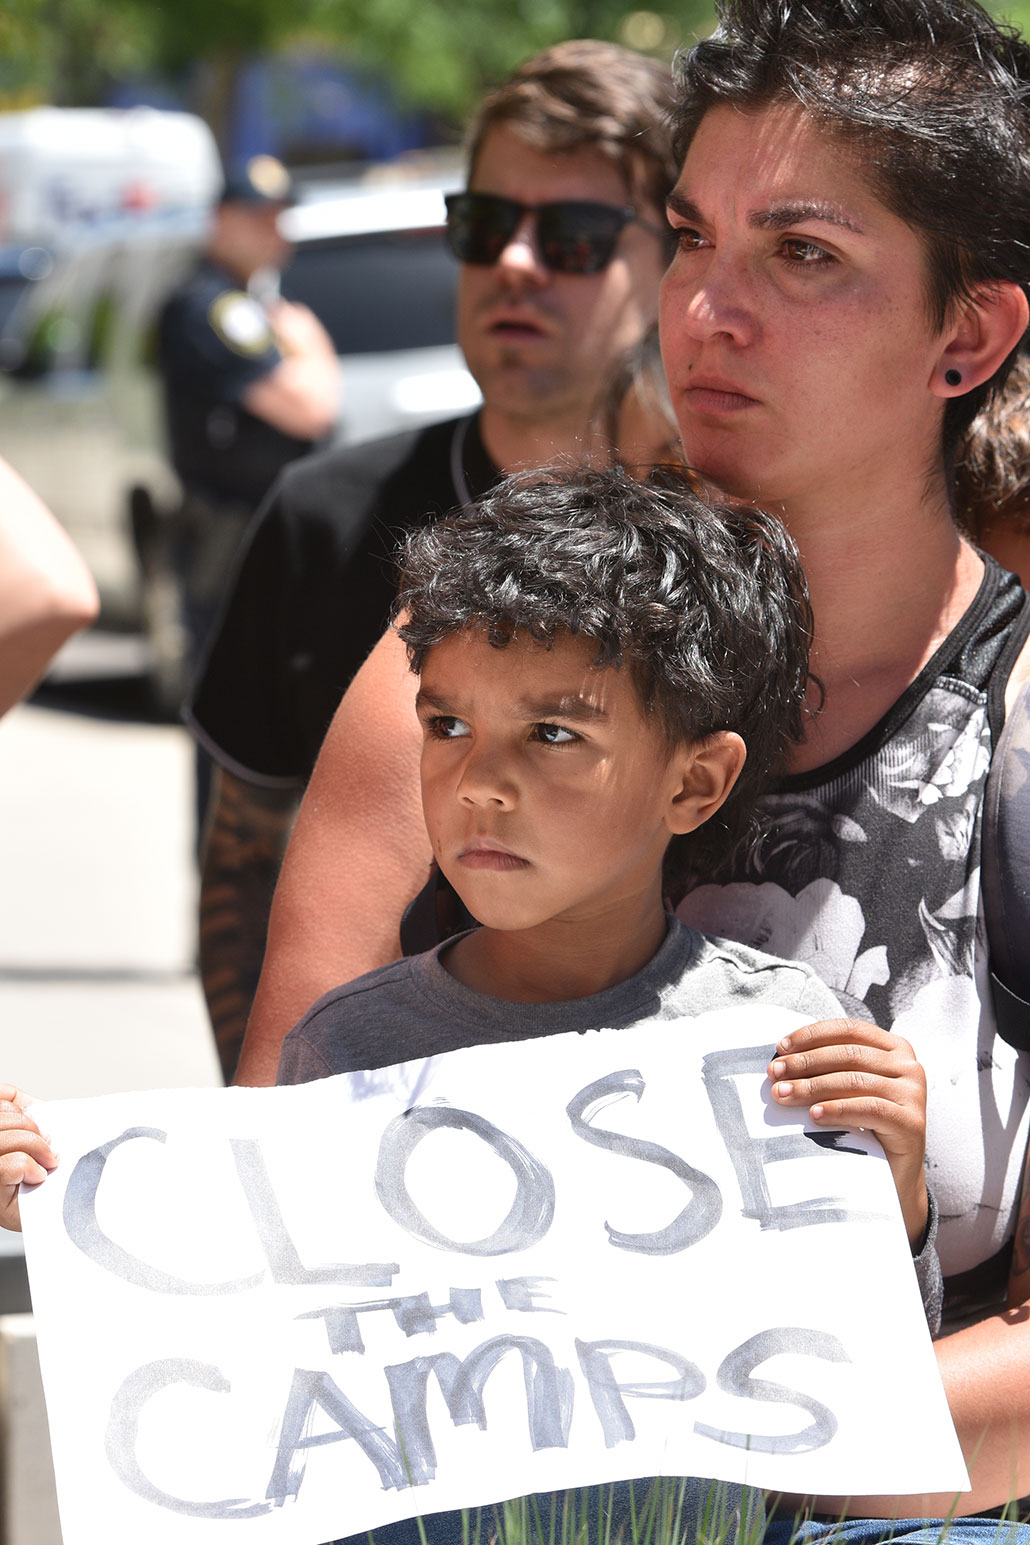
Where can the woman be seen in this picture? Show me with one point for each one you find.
(848, 289)
(854, 225)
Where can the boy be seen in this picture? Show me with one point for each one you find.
(594, 655)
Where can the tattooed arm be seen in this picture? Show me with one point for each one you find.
(1019, 1276)
(246, 839)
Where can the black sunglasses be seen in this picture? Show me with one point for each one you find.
(574, 237)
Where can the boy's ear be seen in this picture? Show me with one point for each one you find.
(985, 330)
(706, 773)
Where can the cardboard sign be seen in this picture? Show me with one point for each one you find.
(297, 1314)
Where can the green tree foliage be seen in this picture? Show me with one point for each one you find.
(438, 54)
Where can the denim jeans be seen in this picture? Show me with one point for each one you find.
(898, 1531)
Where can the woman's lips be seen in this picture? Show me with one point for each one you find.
(715, 397)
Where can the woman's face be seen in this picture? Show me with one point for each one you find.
(795, 326)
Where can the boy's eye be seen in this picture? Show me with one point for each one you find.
(447, 726)
(553, 734)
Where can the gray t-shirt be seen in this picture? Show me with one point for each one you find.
(415, 1008)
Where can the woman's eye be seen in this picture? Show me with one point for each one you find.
(805, 254)
(553, 734)
(687, 239)
(447, 727)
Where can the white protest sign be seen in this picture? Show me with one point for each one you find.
(296, 1314)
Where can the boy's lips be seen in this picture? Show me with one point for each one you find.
(483, 853)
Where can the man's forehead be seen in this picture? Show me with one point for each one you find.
(509, 164)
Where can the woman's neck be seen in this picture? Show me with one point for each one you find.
(888, 585)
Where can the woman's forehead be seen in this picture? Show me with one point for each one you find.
(777, 158)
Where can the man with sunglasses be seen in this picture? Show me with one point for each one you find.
(562, 241)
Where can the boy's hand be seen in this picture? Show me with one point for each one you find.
(850, 1073)
(25, 1155)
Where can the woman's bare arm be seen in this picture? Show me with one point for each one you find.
(358, 854)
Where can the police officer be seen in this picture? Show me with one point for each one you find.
(251, 382)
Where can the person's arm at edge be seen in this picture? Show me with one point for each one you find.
(244, 843)
(301, 394)
(46, 591)
(358, 854)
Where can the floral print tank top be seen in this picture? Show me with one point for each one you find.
(868, 869)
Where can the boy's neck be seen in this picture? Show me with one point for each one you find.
(558, 961)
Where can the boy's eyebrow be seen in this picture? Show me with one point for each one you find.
(426, 699)
(778, 218)
(569, 706)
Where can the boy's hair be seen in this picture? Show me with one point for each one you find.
(586, 93)
(929, 96)
(705, 605)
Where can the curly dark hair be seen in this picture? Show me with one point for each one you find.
(931, 99)
(706, 606)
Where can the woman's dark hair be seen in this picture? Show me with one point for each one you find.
(931, 97)
(992, 463)
(705, 605)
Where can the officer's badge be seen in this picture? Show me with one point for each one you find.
(240, 323)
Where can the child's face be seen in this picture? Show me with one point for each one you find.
(547, 793)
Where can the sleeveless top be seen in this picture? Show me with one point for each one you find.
(868, 869)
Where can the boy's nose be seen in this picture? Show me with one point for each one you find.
(484, 781)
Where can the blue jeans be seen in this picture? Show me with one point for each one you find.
(899, 1531)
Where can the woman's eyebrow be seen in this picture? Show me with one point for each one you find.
(678, 204)
(781, 216)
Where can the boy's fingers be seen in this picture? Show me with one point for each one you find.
(835, 1032)
(862, 1061)
(903, 1099)
(869, 1111)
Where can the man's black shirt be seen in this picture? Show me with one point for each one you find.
(313, 591)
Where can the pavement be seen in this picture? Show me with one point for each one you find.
(98, 987)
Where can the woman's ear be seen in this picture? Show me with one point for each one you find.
(704, 775)
(983, 333)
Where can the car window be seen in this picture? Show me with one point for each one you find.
(391, 290)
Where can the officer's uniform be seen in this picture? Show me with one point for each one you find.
(215, 343)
